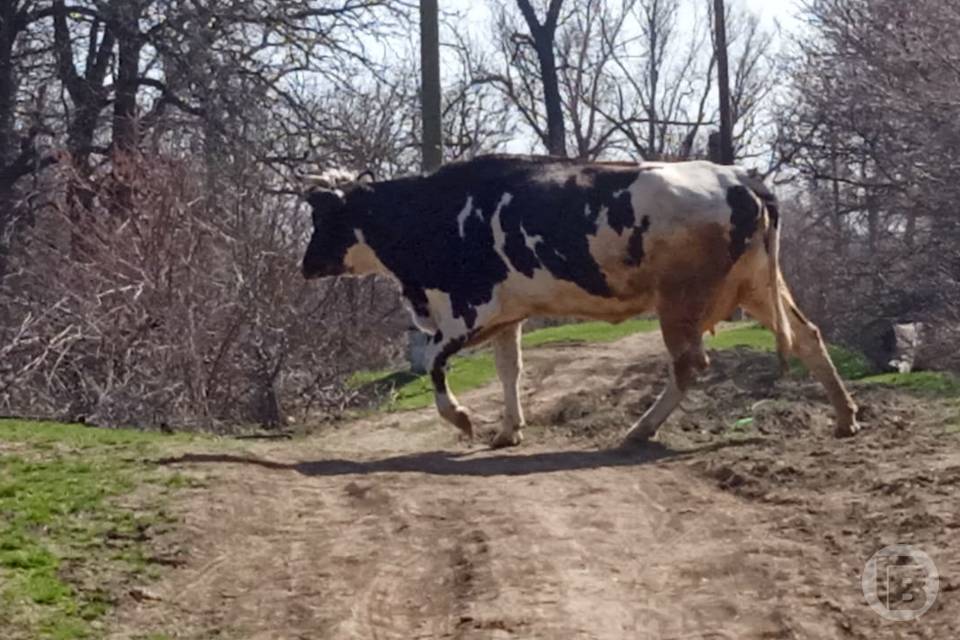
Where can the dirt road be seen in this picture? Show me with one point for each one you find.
(389, 528)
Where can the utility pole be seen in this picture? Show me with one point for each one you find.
(430, 84)
(724, 150)
(417, 341)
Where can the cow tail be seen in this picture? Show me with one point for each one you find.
(781, 325)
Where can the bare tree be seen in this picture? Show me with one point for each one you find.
(587, 52)
(529, 76)
(185, 123)
(631, 80)
(871, 130)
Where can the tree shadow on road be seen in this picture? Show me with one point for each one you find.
(483, 463)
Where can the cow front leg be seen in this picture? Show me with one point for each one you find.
(440, 352)
(509, 360)
(684, 342)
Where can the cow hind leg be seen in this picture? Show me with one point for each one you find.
(509, 361)
(440, 352)
(809, 347)
(684, 340)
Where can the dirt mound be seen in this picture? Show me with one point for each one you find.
(741, 393)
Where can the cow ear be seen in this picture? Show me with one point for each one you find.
(324, 202)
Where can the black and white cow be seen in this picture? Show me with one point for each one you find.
(480, 245)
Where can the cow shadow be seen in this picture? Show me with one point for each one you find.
(475, 463)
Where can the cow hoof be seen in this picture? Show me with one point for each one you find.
(504, 439)
(638, 435)
(462, 420)
(846, 430)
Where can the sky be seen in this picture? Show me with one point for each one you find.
(778, 17)
(782, 11)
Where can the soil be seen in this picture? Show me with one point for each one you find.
(745, 519)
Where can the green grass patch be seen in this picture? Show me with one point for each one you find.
(474, 370)
(589, 332)
(751, 336)
(852, 365)
(62, 534)
(932, 383)
(463, 374)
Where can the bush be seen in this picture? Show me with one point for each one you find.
(136, 298)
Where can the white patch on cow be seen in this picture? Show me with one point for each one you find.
(441, 312)
(683, 194)
(530, 241)
(499, 235)
(464, 214)
(603, 218)
(361, 259)
(424, 323)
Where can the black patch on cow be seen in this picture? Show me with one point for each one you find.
(743, 219)
(438, 369)
(439, 378)
(635, 243)
(438, 337)
(332, 236)
(417, 298)
(323, 202)
(774, 211)
(515, 246)
(412, 224)
(620, 214)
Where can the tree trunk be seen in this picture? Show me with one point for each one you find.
(556, 131)
(8, 87)
(125, 134)
(8, 145)
(544, 36)
(653, 77)
(87, 92)
(723, 80)
(430, 89)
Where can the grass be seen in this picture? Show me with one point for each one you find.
(474, 370)
(931, 383)
(589, 332)
(463, 373)
(64, 539)
(852, 365)
(941, 386)
(751, 336)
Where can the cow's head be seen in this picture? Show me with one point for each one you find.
(334, 223)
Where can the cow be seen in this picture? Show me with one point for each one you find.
(478, 246)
